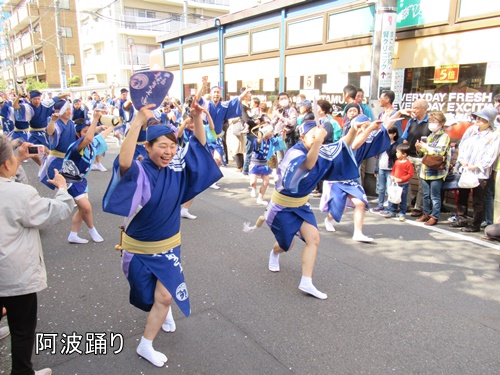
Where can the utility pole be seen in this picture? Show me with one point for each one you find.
(11, 55)
(383, 47)
(60, 52)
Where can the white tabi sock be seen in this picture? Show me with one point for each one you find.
(73, 238)
(169, 324)
(307, 286)
(96, 237)
(274, 262)
(146, 351)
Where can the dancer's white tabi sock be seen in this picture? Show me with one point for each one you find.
(307, 286)
(274, 262)
(169, 324)
(146, 351)
(96, 237)
(73, 238)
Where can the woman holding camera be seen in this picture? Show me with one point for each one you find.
(22, 269)
(435, 164)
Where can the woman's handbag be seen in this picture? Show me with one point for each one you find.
(394, 192)
(435, 162)
(238, 127)
(468, 180)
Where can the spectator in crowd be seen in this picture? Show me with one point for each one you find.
(477, 152)
(365, 109)
(386, 101)
(79, 110)
(351, 110)
(250, 123)
(350, 92)
(437, 144)
(22, 214)
(284, 117)
(416, 128)
(401, 174)
(384, 167)
(489, 191)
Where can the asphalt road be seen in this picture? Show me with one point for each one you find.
(418, 300)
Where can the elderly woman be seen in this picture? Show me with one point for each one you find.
(22, 269)
(436, 148)
(478, 151)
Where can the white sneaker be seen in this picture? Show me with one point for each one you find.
(45, 371)
(101, 167)
(214, 186)
(329, 225)
(261, 201)
(361, 238)
(253, 193)
(4, 332)
(186, 215)
(94, 167)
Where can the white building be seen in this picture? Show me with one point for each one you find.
(116, 37)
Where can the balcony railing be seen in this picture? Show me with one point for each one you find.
(21, 18)
(156, 25)
(139, 58)
(213, 2)
(34, 68)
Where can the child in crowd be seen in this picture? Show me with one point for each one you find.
(383, 170)
(263, 148)
(402, 172)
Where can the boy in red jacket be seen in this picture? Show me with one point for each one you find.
(402, 172)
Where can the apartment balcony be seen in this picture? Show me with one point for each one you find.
(30, 41)
(96, 64)
(10, 4)
(142, 26)
(92, 34)
(4, 53)
(91, 5)
(17, 47)
(139, 59)
(34, 68)
(20, 72)
(216, 5)
(23, 16)
(7, 75)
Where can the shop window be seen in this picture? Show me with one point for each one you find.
(210, 51)
(191, 54)
(352, 23)
(305, 32)
(459, 89)
(171, 58)
(420, 12)
(237, 45)
(472, 8)
(266, 40)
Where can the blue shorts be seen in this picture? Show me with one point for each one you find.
(77, 189)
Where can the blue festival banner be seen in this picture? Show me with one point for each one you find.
(150, 88)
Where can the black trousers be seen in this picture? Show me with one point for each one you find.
(477, 203)
(21, 315)
(239, 158)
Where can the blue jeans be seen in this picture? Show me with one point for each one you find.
(431, 195)
(250, 138)
(383, 180)
(403, 206)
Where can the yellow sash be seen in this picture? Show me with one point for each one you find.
(286, 201)
(57, 154)
(150, 247)
(20, 130)
(36, 129)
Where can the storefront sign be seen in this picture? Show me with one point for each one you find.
(419, 12)
(446, 74)
(308, 82)
(458, 102)
(386, 51)
(398, 77)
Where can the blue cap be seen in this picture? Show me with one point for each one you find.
(360, 118)
(59, 104)
(306, 126)
(35, 94)
(80, 127)
(155, 131)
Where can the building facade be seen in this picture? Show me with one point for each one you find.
(30, 45)
(445, 51)
(118, 37)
